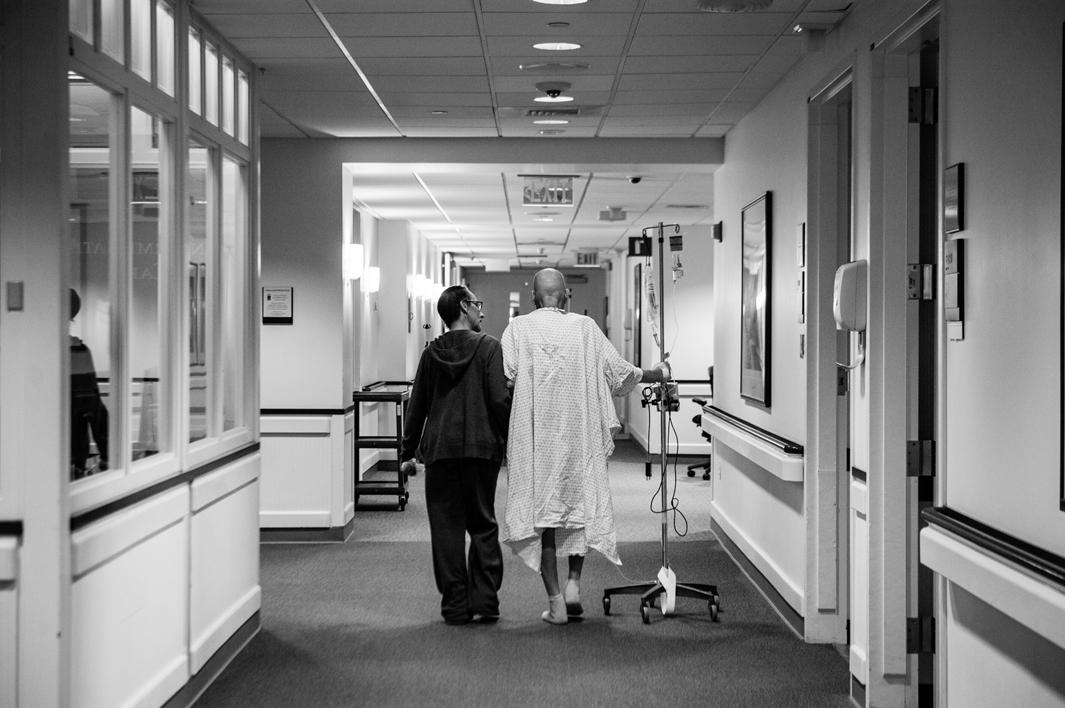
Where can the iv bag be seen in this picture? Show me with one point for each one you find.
(652, 306)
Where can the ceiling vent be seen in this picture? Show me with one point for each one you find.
(612, 214)
(552, 112)
(733, 5)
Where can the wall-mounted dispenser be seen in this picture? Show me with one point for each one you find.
(849, 304)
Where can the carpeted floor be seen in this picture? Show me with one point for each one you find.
(358, 624)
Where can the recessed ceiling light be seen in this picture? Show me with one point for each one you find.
(552, 131)
(543, 218)
(553, 99)
(552, 121)
(555, 67)
(439, 112)
(561, 2)
(556, 46)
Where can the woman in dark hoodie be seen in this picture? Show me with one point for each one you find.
(456, 423)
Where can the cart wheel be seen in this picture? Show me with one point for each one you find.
(691, 473)
(606, 604)
(717, 600)
(645, 612)
(713, 611)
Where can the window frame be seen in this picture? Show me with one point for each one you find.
(182, 125)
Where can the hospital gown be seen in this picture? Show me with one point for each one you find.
(562, 422)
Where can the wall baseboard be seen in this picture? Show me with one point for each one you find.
(214, 667)
(333, 534)
(787, 613)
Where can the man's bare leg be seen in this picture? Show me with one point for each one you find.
(572, 593)
(556, 606)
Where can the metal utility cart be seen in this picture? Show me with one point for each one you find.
(398, 393)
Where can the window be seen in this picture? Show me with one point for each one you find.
(113, 29)
(234, 285)
(160, 244)
(195, 72)
(164, 48)
(243, 119)
(199, 246)
(148, 379)
(92, 404)
(228, 98)
(140, 36)
(210, 84)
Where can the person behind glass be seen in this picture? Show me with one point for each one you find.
(566, 374)
(456, 423)
(88, 414)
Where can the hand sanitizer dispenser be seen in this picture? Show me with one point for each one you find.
(848, 296)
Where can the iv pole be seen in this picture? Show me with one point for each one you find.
(666, 588)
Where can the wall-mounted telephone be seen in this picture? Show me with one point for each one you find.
(849, 304)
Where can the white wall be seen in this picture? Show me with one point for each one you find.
(302, 235)
(1002, 426)
(1003, 408)
(690, 307)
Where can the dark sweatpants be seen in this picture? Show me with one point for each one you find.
(460, 497)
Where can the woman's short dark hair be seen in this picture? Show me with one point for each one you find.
(449, 306)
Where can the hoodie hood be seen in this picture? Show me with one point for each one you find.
(454, 351)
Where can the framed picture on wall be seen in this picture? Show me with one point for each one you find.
(755, 329)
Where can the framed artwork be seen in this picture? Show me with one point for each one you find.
(637, 314)
(755, 300)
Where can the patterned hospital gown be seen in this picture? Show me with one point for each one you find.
(562, 423)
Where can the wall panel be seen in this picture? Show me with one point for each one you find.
(224, 572)
(129, 606)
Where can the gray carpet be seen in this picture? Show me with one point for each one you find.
(358, 624)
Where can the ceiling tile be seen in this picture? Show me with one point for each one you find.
(400, 24)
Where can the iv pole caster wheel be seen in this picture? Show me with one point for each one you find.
(645, 612)
(713, 611)
(606, 604)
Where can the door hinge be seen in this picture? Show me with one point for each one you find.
(922, 105)
(920, 635)
(920, 458)
(920, 281)
(842, 381)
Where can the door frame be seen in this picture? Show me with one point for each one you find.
(826, 612)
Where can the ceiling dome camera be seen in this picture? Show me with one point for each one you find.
(635, 180)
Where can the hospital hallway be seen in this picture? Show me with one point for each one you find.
(358, 623)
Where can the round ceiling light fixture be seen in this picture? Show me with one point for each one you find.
(733, 5)
(556, 46)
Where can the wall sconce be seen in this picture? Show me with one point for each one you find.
(352, 261)
(371, 279)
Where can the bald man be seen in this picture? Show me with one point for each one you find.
(565, 375)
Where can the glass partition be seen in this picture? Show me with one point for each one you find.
(149, 212)
(140, 38)
(195, 71)
(112, 28)
(198, 254)
(92, 122)
(234, 274)
(164, 48)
